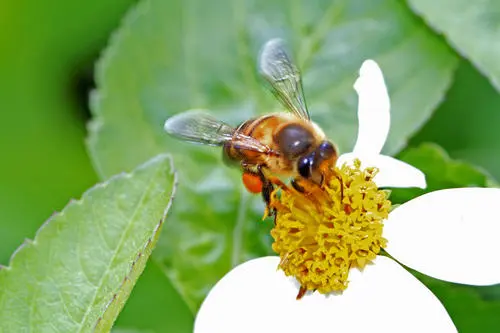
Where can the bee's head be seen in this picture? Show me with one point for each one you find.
(294, 140)
(310, 165)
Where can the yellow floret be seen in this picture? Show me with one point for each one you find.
(323, 232)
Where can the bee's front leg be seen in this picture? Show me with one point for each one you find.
(297, 186)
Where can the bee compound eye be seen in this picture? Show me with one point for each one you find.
(294, 140)
(326, 150)
(304, 166)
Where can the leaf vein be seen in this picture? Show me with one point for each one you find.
(119, 246)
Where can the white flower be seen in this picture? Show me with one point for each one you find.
(374, 121)
(449, 234)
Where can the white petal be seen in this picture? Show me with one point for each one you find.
(392, 172)
(373, 109)
(255, 297)
(451, 235)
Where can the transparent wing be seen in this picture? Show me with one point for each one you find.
(199, 126)
(277, 67)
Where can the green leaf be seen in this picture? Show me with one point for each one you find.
(79, 270)
(470, 312)
(155, 306)
(440, 171)
(170, 56)
(471, 27)
(466, 124)
(131, 330)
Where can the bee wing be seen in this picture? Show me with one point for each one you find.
(199, 126)
(277, 67)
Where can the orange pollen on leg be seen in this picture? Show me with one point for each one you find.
(252, 182)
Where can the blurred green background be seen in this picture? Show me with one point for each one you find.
(48, 51)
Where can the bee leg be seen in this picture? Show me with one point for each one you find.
(308, 189)
(276, 181)
(267, 189)
(302, 292)
(297, 186)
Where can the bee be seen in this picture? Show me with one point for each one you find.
(272, 146)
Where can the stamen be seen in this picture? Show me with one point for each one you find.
(325, 231)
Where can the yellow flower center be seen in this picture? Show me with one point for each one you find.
(322, 232)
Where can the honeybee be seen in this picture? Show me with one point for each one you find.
(272, 146)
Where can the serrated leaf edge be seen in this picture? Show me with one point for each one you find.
(146, 250)
(72, 202)
(95, 124)
(455, 47)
